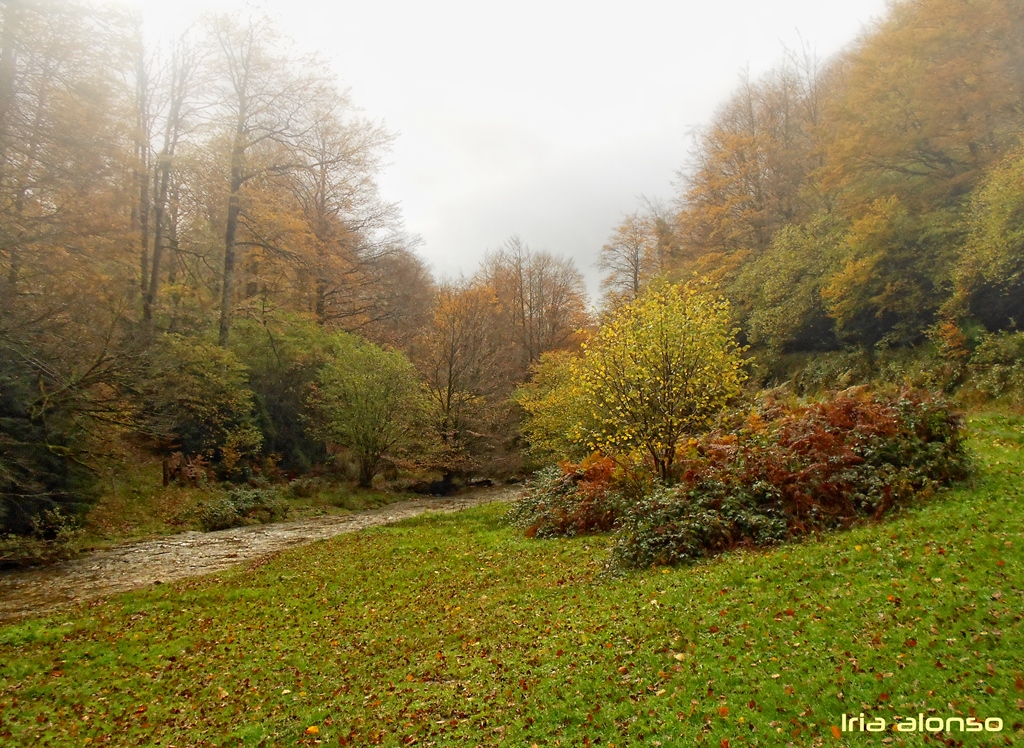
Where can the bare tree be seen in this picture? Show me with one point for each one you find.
(542, 299)
(628, 259)
(181, 85)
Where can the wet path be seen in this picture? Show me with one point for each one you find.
(192, 554)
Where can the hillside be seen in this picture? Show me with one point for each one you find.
(454, 629)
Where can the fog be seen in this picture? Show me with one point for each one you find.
(544, 119)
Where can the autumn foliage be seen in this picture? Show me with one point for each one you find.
(777, 471)
(572, 499)
(660, 369)
(849, 201)
(789, 469)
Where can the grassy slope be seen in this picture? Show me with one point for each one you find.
(452, 630)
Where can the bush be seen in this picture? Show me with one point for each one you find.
(570, 500)
(43, 447)
(997, 368)
(243, 506)
(197, 396)
(305, 487)
(786, 470)
(685, 523)
(53, 533)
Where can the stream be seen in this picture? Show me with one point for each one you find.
(191, 554)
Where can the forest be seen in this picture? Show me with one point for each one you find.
(198, 270)
(196, 260)
(765, 490)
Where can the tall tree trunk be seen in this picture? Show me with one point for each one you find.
(234, 208)
(164, 171)
(142, 163)
(11, 18)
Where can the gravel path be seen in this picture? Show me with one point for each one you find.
(191, 554)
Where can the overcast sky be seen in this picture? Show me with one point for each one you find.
(547, 119)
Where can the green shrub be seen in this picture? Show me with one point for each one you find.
(305, 487)
(826, 371)
(243, 506)
(53, 533)
(997, 368)
(570, 500)
(197, 395)
(683, 523)
(785, 470)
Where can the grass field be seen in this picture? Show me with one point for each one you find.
(455, 630)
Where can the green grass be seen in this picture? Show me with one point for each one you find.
(455, 630)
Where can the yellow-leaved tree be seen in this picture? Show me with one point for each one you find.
(659, 370)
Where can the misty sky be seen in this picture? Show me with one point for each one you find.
(544, 119)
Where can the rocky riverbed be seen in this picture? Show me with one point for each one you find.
(190, 554)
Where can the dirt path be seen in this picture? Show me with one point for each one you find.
(192, 554)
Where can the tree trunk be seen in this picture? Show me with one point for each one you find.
(164, 171)
(367, 469)
(11, 17)
(234, 208)
(142, 166)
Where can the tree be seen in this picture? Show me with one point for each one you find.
(198, 396)
(989, 270)
(264, 105)
(659, 370)
(629, 258)
(783, 308)
(369, 400)
(283, 353)
(68, 267)
(350, 231)
(925, 102)
(750, 166)
(541, 298)
(555, 406)
(460, 357)
(177, 103)
(41, 465)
